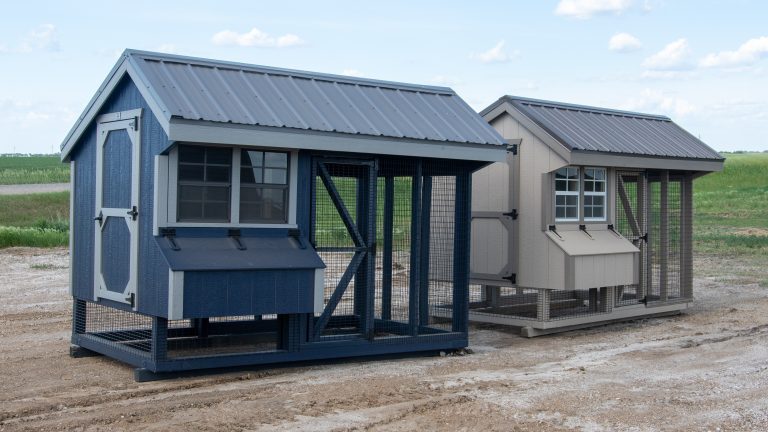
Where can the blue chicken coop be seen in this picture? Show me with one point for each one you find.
(226, 214)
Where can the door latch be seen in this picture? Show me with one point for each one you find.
(99, 218)
(133, 213)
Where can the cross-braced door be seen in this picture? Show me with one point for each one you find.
(117, 197)
(344, 234)
(632, 223)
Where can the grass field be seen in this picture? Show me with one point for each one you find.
(37, 220)
(731, 207)
(32, 169)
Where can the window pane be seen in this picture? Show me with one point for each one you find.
(251, 158)
(275, 176)
(589, 186)
(573, 173)
(217, 174)
(191, 193)
(600, 187)
(561, 185)
(560, 200)
(571, 212)
(597, 212)
(587, 212)
(250, 175)
(573, 186)
(194, 154)
(216, 211)
(260, 204)
(572, 200)
(600, 174)
(191, 172)
(561, 173)
(217, 194)
(560, 212)
(218, 156)
(589, 174)
(587, 200)
(189, 211)
(598, 200)
(276, 160)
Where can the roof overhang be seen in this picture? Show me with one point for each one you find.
(123, 67)
(194, 131)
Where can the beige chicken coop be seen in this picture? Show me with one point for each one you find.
(589, 220)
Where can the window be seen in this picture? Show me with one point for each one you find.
(567, 194)
(594, 194)
(263, 187)
(205, 180)
(222, 185)
(571, 188)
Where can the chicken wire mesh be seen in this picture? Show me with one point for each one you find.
(412, 225)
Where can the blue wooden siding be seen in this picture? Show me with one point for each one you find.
(226, 293)
(152, 293)
(117, 154)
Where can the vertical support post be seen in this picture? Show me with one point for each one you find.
(686, 236)
(642, 222)
(368, 326)
(607, 299)
(201, 327)
(159, 339)
(425, 216)
(593, 300)
(289, 331)
(664, 238)
(543, 300)
(491, 295)
(461, 248)
(646, 272)
(414, 282)
(386, 277)
(361, 220)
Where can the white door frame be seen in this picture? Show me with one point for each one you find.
(130, 121)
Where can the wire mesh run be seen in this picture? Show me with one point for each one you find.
(221, 335)
(114, 327)
(387, 238)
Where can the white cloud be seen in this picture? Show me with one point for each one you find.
(42, 38)
(674, 56)
(583, 9)
(654, 101)
(749, 52)
(624, 42)
(352, 72)
(495, 54)
(256, 37)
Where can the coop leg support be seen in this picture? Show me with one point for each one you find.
(76, 351)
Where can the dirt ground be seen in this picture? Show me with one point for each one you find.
(704, 370)
(23, 189)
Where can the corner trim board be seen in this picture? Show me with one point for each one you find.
(175, 294)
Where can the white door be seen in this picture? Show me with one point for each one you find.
(117, 212)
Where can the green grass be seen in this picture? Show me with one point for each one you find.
(35, 220)
(32, 169)
(731, 207)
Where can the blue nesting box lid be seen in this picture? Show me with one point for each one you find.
(242, 253)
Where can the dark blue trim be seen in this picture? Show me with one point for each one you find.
(386, 278)
(415, 275)
(425, 217)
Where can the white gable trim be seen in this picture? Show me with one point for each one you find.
(123, 67)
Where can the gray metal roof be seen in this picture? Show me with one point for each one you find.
(226, 92)
(584, 128)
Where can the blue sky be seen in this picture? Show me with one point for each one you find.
(704, 63)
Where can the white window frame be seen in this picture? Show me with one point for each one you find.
(603, 194)
(166, 190)
(568, 193)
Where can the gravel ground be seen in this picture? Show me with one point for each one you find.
(704, 370)
(23, 189)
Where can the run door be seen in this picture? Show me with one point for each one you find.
(117, 212)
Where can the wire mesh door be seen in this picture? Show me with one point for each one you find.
(343, 233)
(632, 223)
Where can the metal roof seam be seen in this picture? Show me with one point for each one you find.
(206, 92)
(424, 119)
(357, 110)
(280, 95)
(401, 114)
(312, 106)
(278, 122)
(382, 114)
(439, 118)
(458, 118)
(328, 102)
(175, 88)
(236, 98)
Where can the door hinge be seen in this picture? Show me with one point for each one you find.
(511, 278)
(131, 299)
(512, 148)
(99, 218)
(513, 214)
(644, 237)
(133, 213)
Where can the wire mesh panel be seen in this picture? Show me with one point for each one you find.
(665, 217)
(114, 327)
(630, 222)
(222, 335)
(442, 226)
